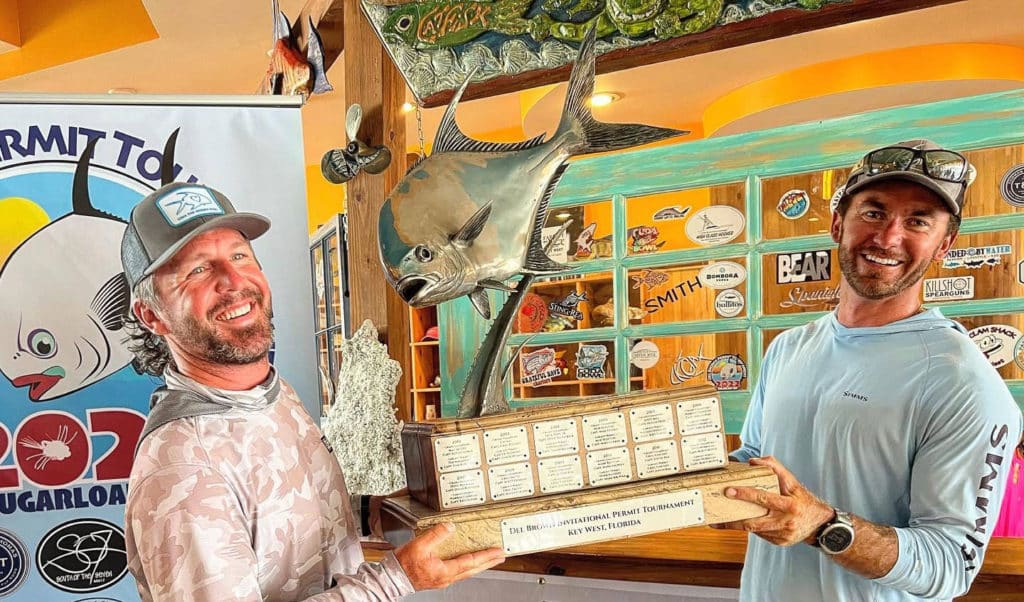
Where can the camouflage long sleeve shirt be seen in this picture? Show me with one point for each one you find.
(248, 505)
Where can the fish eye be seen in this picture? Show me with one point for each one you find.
(403, 23)
(41, 343)
(422, 253)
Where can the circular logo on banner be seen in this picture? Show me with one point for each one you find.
(723, 274)
(715, 225)
(1012, 186)
(13, 563)
(726, 372)
(729, 303)
(82, 556)
(794, 204)
(644, 355)
(997, 342)
(1018, 353)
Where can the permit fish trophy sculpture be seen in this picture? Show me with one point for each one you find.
(469, 217)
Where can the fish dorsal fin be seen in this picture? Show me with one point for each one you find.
(472, 228)
(111, 303)
(481, 303)
(167, 161)
(81, 204)
(451, 139)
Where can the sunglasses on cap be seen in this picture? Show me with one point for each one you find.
(938, 164)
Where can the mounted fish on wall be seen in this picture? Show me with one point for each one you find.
(469, 217)
(289, 72)
(437, 44)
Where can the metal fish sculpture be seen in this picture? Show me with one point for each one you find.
(470, 216)
(289, 72)
(61, 328)
(446, 23)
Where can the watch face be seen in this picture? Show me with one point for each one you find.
(836, 538)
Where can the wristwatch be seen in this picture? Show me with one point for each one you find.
(836, 536)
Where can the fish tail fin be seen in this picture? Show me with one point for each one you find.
(591, 135)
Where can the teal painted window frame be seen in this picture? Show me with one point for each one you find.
(965, 124)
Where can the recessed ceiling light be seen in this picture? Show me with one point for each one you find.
(563, 215)
(603, 99)
(812, 219)
(407, 106)
(122, 91)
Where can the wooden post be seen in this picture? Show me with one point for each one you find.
(373, 81)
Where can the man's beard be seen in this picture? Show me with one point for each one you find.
(871, 288)
(248, 346)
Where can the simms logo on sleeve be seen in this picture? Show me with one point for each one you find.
(183, 205)
(986, 488)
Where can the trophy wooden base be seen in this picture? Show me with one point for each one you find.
(589, 516)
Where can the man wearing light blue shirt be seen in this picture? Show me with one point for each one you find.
(892, 453)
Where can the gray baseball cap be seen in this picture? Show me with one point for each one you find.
(947, 173)
(167, 218)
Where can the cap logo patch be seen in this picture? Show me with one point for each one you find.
(185, 204)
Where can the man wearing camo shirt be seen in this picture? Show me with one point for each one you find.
(233, 494)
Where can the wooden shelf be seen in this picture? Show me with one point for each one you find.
(427, 390)
(425, 344)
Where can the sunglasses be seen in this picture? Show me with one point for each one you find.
(938, 164)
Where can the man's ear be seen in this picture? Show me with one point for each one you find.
(149, 318)
(837, 226)
(947, 244)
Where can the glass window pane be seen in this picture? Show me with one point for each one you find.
(565, 370)
(979, 266)
(324, 371)
(567, 303)
(588, 236)
(334, 277)
(319, 287)
(719, 359)
(800, 281)
(686, 219)
(799, 204)
(999, 181)
(689, 292)
(337, 340)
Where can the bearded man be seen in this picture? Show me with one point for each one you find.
(234, 494)
(890, 432)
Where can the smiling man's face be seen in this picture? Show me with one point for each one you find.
(215, 301)
(889, 235)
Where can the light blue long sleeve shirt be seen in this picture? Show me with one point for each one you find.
(906, 425)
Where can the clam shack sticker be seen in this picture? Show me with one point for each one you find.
(997, 342)
(539, 367)
(715, 225)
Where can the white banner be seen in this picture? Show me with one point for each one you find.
(71, 405)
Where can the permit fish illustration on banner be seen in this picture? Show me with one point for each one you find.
(61, 334)
(470, 216)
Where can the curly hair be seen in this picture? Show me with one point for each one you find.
(151, 352)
